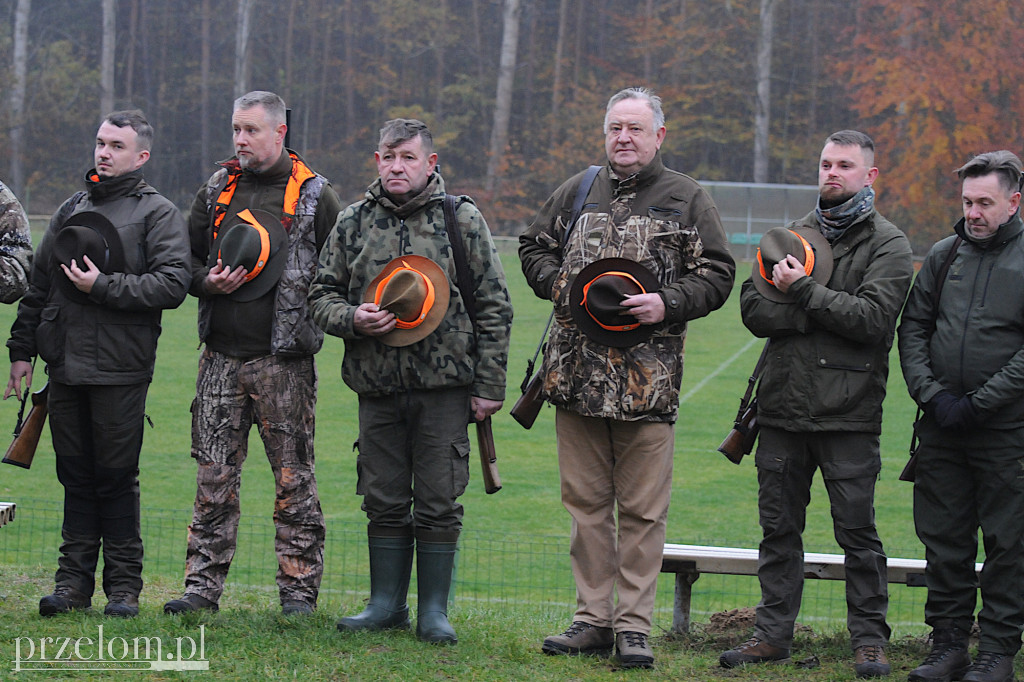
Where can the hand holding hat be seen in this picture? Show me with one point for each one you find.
(416, 291)
(807, 246)
(86, 245)
(596, 301)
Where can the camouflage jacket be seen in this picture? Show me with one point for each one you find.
(243, 326)
(665, 221)
(368, 235)
(15, 247)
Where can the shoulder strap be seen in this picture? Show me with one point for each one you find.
(580, 200)
(462, 277)
(941, 280)
(69, 206)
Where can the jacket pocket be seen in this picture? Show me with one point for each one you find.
(844, 376)
(50, 336)
(124, 347)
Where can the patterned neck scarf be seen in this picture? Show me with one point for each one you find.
(834, 221)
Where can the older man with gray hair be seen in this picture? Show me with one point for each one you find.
(650, 238)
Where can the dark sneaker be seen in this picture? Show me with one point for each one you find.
(296, 607)
(63, 600)
(869, 660)
(122, 605)
(948, 659)
(991, 667)
(632, 650)
(190, 602)
(581, 639)
(754, 650)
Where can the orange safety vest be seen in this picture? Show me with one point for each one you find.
(300, 173)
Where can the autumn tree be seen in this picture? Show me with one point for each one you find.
(947, 90)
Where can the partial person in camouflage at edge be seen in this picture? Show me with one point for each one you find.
(15, 247)
(420, 381)
(258, 363)
(616, 406)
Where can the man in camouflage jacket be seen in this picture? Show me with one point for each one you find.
(616, 407)
(415, 401)
(258, 362)
(15, 247)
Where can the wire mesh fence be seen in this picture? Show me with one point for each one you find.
(492, 570)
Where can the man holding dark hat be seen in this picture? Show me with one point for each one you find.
(422, 365)
(826, 292)
(112, 258)
(647, 255)
(256, 227)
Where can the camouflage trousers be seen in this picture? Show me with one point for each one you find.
(279, 395)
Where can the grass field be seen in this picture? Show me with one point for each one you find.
(513, 584)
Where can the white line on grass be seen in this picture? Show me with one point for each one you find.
(703, 382)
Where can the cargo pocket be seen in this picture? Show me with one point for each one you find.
(460, 466)
(50, 336)
(771, 470)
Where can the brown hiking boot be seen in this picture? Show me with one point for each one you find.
(190, 602)
(869, 660)
(633, 651)
(991, 667)
(948, 659)
(754, 650)
(122, 605)
(581, 639)
(63, 600)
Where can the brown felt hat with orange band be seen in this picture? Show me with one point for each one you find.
(416, 290)
(809, 247)
(595, 301)
(257, 242)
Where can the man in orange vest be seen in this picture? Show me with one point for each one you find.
(256, 228)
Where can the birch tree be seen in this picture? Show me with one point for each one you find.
(503, 98)
(762, 108)
(107, 57)
(20, 66)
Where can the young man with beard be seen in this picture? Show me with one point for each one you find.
(820, 400)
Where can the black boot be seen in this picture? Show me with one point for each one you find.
(76, 565)
(434, 562)
(390, 568)
(948, 659)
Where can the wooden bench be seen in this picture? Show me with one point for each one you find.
(689, 561)
(6, 512)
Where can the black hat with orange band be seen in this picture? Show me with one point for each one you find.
(595, 301)
(809, 247)
(258, 243)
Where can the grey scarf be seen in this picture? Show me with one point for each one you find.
(834, 221)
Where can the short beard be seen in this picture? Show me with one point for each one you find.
(837, 201)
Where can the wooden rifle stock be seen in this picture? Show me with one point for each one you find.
(740, 440)
(26, 434)
(488, 457)
(528, 406)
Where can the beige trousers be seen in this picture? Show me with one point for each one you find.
(607, 466)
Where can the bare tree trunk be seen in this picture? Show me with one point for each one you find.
(205, 154)
(503, 98)
(762, 112)
(107, 57)
(289, 43)
(349, 76)
(556, 86)
(20, 67)
(242, 46)
(648, 57)
(129, 60)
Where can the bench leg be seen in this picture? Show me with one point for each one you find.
(681, 607)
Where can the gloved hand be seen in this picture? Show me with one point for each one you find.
(952, 412)
(939, 407)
